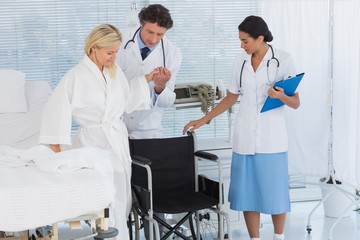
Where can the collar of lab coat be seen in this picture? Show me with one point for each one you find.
(268, 55)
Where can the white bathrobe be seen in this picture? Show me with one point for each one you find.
(97, 105)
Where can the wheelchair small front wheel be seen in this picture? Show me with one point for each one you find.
(209, 224)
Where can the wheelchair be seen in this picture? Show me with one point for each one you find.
(165, 180)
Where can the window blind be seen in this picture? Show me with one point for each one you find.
(44, 39)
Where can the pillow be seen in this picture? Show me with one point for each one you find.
(21, 130)
(12, 91)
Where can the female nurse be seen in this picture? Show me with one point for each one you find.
(259, 169)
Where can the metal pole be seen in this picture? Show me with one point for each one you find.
(331, 171)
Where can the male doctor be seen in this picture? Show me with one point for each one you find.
(146, 48)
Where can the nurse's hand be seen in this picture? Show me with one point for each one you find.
(193, 125)
(276, 92)
(161, 78)
(290, 101)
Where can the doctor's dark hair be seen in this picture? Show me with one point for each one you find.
(156, 13)
(255, 26)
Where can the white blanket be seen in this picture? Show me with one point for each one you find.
(39, 187)
(46, 160)
(14, 157)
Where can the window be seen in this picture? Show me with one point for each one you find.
(44, 39)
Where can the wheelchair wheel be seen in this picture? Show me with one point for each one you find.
(209, 223)
(134, 224)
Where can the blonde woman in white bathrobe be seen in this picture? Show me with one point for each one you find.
(96, 94)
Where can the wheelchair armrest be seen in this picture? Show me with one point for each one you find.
(206, 155)
(141, 160)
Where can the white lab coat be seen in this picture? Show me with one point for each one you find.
(97, 106)
(147, 124)
(256, 132)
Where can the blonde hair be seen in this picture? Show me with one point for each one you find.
(102, 36)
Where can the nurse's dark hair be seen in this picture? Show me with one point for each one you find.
(255, 26)
(156, 13)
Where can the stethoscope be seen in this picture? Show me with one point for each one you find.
(241, 91)
(133, 41)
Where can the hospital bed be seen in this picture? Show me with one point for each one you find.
(39, 188)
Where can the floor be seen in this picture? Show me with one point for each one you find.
(296, 226)
(348, 228)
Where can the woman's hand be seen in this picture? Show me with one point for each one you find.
(290, 101)
(276, 92)
(229, 100)
(193, 125)
(55, 147)
(150, 76)
(161, 78)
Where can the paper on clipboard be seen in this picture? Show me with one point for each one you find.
(289, 86)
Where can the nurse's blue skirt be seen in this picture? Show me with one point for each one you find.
(260, 183)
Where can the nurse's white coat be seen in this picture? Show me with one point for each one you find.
(256, 132)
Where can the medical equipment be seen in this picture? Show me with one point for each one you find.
(133, 41)
(241, 91)
(196, 92)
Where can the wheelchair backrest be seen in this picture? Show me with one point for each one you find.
(172, 165)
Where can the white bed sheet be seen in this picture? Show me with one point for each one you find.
(41, 193)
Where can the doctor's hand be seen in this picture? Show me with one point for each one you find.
(161, 78)
(193, 125)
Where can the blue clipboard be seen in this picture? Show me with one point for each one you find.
(289, 85)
